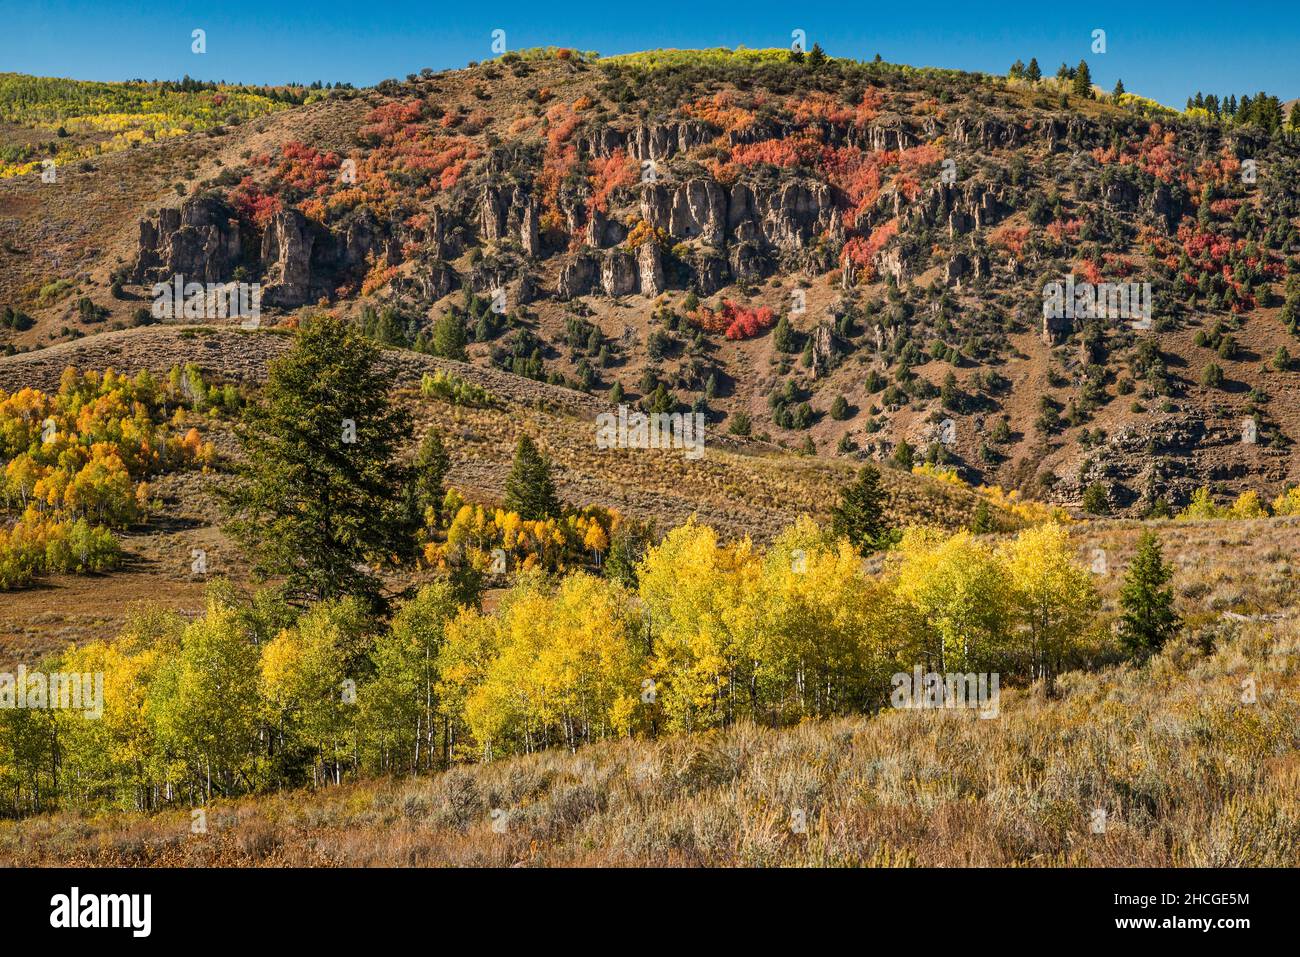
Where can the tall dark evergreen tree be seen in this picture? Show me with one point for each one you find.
(529, 489)
(450, 337)
(1148, 619)
(431, 467)
(319, 494)
(860, 514)
(1082, 80)
(1033, 72)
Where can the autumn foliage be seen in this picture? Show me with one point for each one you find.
(735, 321)
(76, 464)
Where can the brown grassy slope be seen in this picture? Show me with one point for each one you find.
(1187, 773)
(741, 488)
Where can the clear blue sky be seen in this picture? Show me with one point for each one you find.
(1162, 50)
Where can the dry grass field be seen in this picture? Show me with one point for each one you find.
(1190, 768)
(1187, 774)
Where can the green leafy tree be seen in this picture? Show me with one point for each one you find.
(1148, 619)
(529, 488)
(403, 730)
(319, 498)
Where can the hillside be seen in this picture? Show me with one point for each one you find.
(363, 584)
(742, 487)
(1187, 774)
(833, 256)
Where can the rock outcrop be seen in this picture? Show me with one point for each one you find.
(200, 241)
(286, 260)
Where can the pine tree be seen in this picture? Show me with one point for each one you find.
(529, 489)
(450, 338)
(904, 457)
(431, 467)
(1033, 72)
(1148, 618)
(319, 498)
(1119, 89)
(1017, 70)
(783, 336)
(981, 522)
(1082, 81)
(816, 56)
(860, 514)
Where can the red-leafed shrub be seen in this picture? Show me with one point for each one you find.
(856, 174)
(252, 204)
(736, 322)
(383, 122)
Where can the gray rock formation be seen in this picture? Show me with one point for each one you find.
(286, 260)
(200, 241)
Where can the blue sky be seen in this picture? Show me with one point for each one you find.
(1162, 50)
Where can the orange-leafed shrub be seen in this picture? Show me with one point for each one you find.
(1090, 271)
(1011, 238)
(862, 251)
(380, 275)
(614, 172)
(821, 106)
(869, 108)
(786, 152)
(1063, 230)
(721, 110)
